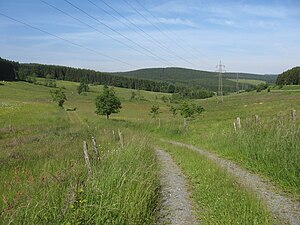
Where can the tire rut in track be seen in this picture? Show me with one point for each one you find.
(280, 205)
(176, 205)
(74, 118)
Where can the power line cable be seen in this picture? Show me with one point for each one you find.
(129, 21)
(176, 43)
(86, 24)
(66, 40)
(116, 18)
(146, 35)
(149, 21)
(117, 32)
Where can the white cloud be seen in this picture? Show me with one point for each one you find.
(224, 22)
(177, 21)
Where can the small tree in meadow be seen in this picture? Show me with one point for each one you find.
(154, 112)
(49, 81)
(58, 96)
(173, 110)
(189, 111)
(83, 86)
(107, 102)
(133, 95)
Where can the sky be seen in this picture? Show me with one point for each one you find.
(253, 36)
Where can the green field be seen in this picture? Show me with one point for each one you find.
(287, 88)
(270, 149)
(43, 174)
(248, 81)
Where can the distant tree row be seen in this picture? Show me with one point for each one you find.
(289, 77)
(94, 77)
(29, 72)
(195, 78)
(8, 70)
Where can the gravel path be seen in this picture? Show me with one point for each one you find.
(176, 206)
(280, 205)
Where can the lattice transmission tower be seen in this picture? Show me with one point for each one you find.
(220, 70)
(237, 83)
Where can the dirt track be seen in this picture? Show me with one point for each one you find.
(176, 205)
(280, 205)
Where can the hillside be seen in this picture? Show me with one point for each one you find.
(205, 79)
(7, 69)
(31, 71)
(189, 83)
(289, 77)
(42, 159)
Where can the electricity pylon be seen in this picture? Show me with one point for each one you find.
(220, 69)
(237, 83)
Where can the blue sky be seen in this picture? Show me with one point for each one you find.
(248, 36)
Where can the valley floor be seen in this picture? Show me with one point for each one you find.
(246, 177)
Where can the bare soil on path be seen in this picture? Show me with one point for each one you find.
(176, 204)
(279, 204)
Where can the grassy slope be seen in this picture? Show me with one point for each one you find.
(287, 88)
(272, 149)
(210, 130)
(43, 175)
(249, 81)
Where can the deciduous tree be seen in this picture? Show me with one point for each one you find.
(83, 86)
(107, 102)
(154, 112)
(189, 111)
(58, 96)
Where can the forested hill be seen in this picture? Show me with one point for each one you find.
(186, 82)
(288, 77)
(208, 80)
(8, 69)
(30, 71)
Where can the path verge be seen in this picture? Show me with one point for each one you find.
(280, 205)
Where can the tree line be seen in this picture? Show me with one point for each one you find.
(8, 70)
(29, 71)
(196, 78)
(289, 77)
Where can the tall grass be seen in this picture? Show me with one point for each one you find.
(123, 189)
(39, 164)
(218, 197)
(272, 149)
(43, 176)
(45, 182)
(42, 169)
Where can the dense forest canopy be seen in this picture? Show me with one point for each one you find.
(32, 70)
(189, 77)
(289, 77)
(187, 83)
(8, 70)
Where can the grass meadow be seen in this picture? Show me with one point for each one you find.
(271, 149)
(43, 173)
(248, 81)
